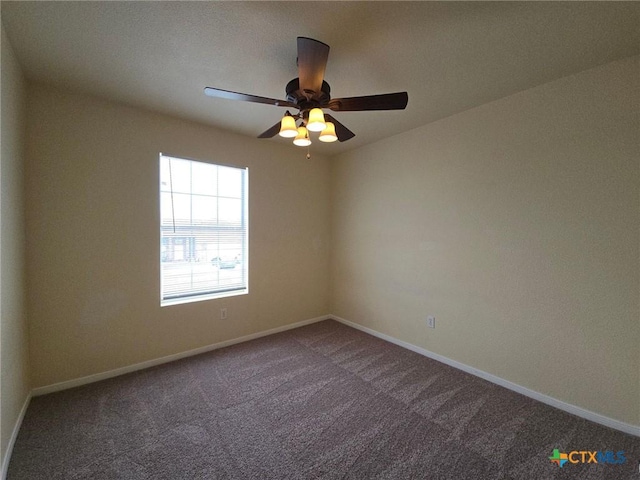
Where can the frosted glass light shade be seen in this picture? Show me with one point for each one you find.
(288, 127)
(316, 120)
(329, 133)
(302, 140)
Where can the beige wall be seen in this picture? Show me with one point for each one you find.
(14, 353)
(93, 236)
(517, 225)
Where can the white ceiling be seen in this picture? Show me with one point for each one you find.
(449, 56)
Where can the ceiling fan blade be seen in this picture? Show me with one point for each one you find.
(271, 132)
(342, 132)
(312, 61)
(385, 101)
(229, 95)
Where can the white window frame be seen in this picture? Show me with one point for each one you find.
(187, 274)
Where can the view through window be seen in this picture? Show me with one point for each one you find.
(203, 230)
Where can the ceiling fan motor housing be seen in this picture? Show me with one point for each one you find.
(307, 99)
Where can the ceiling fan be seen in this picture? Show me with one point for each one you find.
(309, 94)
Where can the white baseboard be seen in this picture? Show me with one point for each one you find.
(567, 407)
(12, 439)
(169, 358)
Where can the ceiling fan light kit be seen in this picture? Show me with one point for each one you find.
(288, 127)
(328, 134)
(309, 94)
(302, 140)
(316, 120)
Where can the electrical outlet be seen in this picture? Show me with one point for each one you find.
(223, 314)
(431, 321)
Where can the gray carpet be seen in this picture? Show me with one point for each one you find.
(323, 401)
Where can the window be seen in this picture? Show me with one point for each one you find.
(203, 230)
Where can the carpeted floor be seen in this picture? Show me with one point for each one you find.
(322, 401)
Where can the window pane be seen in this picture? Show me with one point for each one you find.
(180, 175)
(229, 182)
(165, 177)
(230, 210)
(182, 208)
(204, 178)
(205, 209)
(166, 214)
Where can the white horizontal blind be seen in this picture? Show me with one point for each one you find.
(203, 230)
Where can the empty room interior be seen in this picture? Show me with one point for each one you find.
(450, 289)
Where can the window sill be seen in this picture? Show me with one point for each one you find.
(201, 298)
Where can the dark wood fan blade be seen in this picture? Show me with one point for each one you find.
(312, 61)
(385, 101)
(271, 132)
(342, 132)
(229, 95)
